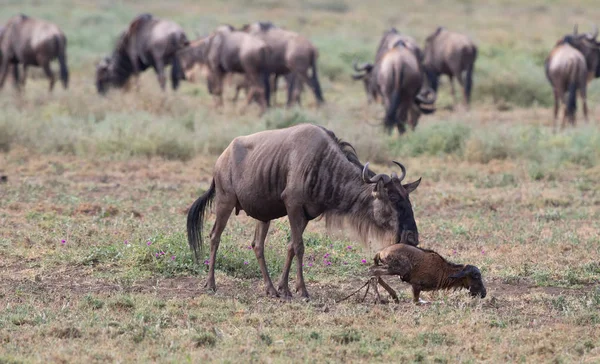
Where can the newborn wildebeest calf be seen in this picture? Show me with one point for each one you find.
(425, 270)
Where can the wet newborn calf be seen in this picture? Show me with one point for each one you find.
(425, 270)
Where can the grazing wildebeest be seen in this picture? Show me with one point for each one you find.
(290, 53)
(229, 51)
(303, 172)
(147, 42)
(570, 66)
(452, 54)
(32, 42)
(398, 79)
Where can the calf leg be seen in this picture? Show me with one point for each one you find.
(260, 234)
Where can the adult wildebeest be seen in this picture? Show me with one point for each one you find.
(303, 172)
(290, 53)
(452, 54)
(388, 41)
(228, 51)
(32, 42)
(398, 79)
(193, 59)
(570, 66)
(147, 42)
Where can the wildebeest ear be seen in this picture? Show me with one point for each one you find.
(412, 186)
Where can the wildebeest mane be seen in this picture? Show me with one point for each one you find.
(348, 151)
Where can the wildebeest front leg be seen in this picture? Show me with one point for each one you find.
(260, 234)
(223, 211)
(583, 94)
(556, 106)
(389, 289)
(24, 75)
(298, 223)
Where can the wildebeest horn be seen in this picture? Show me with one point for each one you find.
(360, 68)
(403, 170)
(428, 97)
(375, 178)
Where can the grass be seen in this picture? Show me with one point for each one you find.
(113, 178)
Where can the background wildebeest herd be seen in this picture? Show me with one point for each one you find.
(403, 77)
(97, 180)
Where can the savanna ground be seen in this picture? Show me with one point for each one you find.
(94, 263)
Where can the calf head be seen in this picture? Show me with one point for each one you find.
(392, 209)
(470, 277)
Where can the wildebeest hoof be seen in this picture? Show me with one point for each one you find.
(271, 292)
(422, 302)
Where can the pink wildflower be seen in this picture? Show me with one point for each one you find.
(149, 243)
(364, 261)
(63, 242)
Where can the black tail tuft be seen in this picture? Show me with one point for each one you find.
(469, 77)
(572, 101)
(61, 43)
(176, 72)
(391, 115)
(195, 220)
(315, 81)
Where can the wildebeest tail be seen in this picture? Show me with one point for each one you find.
(315, 79)
(264, 75)
(572, 100)
(61, 48)
(176, 72)
(469, 75)
(195, 220)
(391, 114)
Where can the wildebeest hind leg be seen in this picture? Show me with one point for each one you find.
(49, 74)
(260, 234)
(556, 106)
(223, 211)
(583, 94)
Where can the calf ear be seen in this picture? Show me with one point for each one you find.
(412, 186)
(460, 274)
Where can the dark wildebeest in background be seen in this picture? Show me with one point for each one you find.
(570, 66)
(452, 54)
(303, 172)
(147, 42)
(398, 79)
(228, 51)
(32, 42)
(290, 53)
